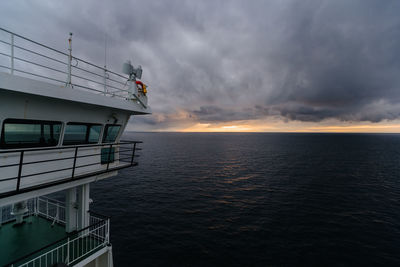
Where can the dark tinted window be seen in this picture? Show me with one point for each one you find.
(94, 133)
(76, 134)
(18, 133)
(111, 133)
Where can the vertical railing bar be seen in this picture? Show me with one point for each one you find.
(21, 160)
(108, 231)
(12, 53)
(133, 153)
(67, 260)
(73, 167)
(36, 201)
(47, 208)
(109, 156)
(105, 80)
(58, 209)
(69, 59)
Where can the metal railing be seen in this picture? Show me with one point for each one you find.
(71, 249)
(50, 209)
(31, 58)
(6, 211)
(60, 169)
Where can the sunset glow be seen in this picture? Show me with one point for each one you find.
(258, 126)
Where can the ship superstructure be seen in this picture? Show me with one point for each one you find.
(61, 120)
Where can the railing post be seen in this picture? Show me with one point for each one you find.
(108, 232)
(69, 60)
(12, 53)
(67, 259)
(47, 208)
(73, 167)
(58, 209)
(109, 156)
(21, 160)
(133, 153)
(105, 80)
(36, 203)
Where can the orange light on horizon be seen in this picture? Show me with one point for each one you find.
(301, 127)
(208, 127)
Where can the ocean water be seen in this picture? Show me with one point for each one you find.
(232, 199)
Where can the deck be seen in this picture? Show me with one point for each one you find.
(18, 241)
(42, 240)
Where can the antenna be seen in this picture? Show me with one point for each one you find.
(105, 48)
(105, 62)
(133, 72)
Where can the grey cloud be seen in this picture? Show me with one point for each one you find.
(217, 114)
(339, 59)
(218, 61)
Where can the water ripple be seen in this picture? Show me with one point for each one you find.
(256, 200)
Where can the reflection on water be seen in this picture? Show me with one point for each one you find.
(256, 199)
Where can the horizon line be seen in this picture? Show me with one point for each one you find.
(288, 132)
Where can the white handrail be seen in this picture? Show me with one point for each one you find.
(70, 250)
(74, 249)
(51, 209)
(85, 75)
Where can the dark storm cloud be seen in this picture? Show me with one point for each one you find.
(341, 61)
(217, 114)
(219, 61)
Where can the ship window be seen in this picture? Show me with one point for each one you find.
(17, 133)
(77, 134)
(111, 133)
(94, 133)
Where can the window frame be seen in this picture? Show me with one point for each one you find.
(105, 133)
(42, 123)
(87, 134)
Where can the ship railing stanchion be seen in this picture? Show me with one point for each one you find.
(35, 206)
(73, 167)
(133, 152)
(109, 156)
(69, 59)
(21, 160)
(105, 80)
(12, 53)
(67, 259)
(47, 208)
(108, 232)
(55, 220)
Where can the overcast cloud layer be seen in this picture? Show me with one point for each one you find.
(222, 61)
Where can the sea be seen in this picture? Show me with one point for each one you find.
(256, 199)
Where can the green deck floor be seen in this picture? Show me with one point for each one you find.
(19, 241)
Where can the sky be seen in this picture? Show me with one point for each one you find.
(252, 66)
